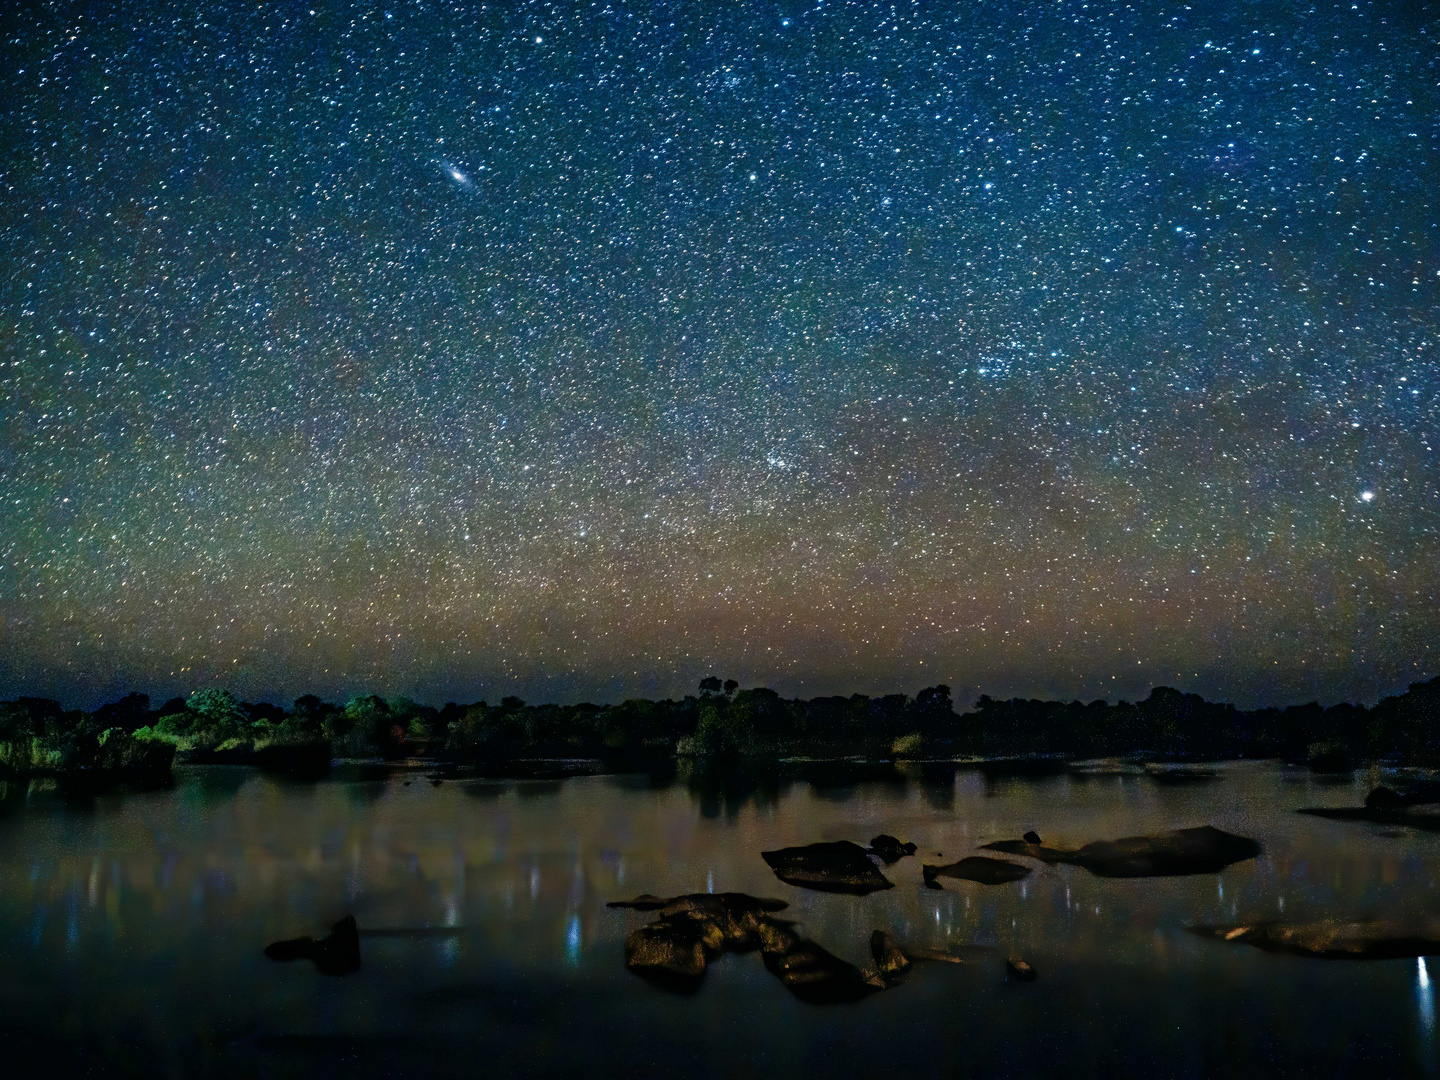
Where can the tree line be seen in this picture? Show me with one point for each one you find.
(37, 735)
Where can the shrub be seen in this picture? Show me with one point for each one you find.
(906, 745)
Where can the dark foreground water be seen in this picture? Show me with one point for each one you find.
(132, 929)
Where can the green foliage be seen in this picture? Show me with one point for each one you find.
(748, 724)
(363, 729)
(121, 751)
(907, 745)
(210, 720)
(38, 736)
(215, 707)
(478, 733)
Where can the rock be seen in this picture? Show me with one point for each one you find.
(671, 951)
(776, 936)
(693, 929)
(727, 901)
(840, 866)
(1335, 939)
(1019, 970)
(890, 959)
(337, 953)
(889, 849)
(723, 921)
(1381, 813)
(1031, 837)
(817, 976)
(944, 956)
(1206, 850)
(736, 914)
(1413, 794)
(643, 902)
(976, 868)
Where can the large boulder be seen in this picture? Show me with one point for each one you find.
(1335, 939)
(1205, 850)
(976, 868)
(839, 866)
(337, 953)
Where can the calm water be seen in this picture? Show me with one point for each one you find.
(131, 930)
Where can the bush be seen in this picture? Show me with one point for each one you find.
(365, 729)
(906, 745)
(120, 751)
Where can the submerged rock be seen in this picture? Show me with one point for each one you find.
(1019, 970)
(840, 866)
(890, 958)
(337, 953)
(1335, 939)
(1031, 837)
(889, 849)
(976, 868)
(1206, 850)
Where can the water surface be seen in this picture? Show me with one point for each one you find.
(132, 928)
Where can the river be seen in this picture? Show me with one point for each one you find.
(132, 928)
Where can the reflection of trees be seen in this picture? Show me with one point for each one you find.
(935, 779)
(725, 786)
(836, 781)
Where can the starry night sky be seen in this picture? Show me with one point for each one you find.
(1051, 348)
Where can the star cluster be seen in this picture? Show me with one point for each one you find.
(1048, 347)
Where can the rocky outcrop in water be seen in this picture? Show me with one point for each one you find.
(692, 930)
(889, 850)
(1206, 850)
(1019, 970)
(890, 958)
(976, 868)
(1335, 939)
(1390, 806)
(811, 973)
(337, 953)
(839, 866)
